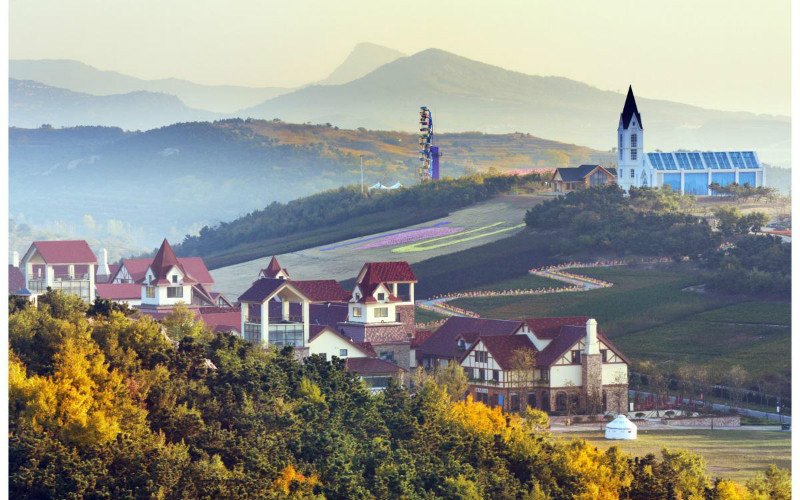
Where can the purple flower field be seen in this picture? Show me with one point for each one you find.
(411, 236)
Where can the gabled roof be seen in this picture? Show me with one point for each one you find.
(387, 272)
(577, 174)
(315, 331)
(16, 280)
(371, 366)
(65, 252)
(221, 319)
(137, 268)
(327, 314)
(420, 337)
(164, 261)
(630, 109)
(566, 338)
(273, 269)
(550, 328)
(196, 268)
(262, 289)
(119, 291)
(502, 348)
(322, 290)
(442, 343)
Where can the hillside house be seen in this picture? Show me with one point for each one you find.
(381, 310)
(566, 180)
(553, 364)
(68, 266)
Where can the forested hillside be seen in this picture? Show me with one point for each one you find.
(340, 214)
(106, 406)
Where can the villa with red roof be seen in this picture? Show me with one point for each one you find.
(68, 266)
(554, 364)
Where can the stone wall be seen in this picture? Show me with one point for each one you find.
(407, 316)
(705, 422)
(401, 351)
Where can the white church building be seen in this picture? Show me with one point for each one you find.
(686, 171)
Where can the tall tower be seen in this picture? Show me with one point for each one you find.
(630, 144)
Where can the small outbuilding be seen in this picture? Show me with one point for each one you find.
(621, 428)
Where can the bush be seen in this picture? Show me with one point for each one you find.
(669, 413)
(639, 415)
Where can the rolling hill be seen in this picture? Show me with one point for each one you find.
(174, 180)
(470, 95)
(32, 104)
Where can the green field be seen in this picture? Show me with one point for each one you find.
(527, 281)
(738, 455)
(649, 317)
(425, 316)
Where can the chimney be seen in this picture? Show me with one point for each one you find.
(103, 270)
(592, 345)
(15, 259)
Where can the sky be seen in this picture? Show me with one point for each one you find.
(731, 55)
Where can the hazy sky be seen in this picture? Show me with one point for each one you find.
(723, 54)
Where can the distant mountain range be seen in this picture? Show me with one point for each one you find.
(33, 104)
(79, 77)
(470, 95)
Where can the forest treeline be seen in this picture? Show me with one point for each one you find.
(335, 206)
(658, 222)
(105, 405)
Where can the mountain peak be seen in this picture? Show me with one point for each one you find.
(363, 59)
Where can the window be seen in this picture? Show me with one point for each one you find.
(634, 147)
(545, 374)
(381, 312)
(496, 375)
(387, 356)
(598, 179)
(481, 357)
(532, 399)
(252, 333)
(175, 292)
(561, 401)
(604, 355)
(381, 296)
(174, 278)
(481, 374)
(482, 397)
(356, 312)
(620, 146)
(576, 357)
(397, 317)
(342, 353)
(462, 344)
(151, 292)
(514, 402)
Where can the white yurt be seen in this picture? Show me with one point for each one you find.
(621, 428)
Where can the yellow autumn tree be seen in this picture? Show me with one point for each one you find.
(83, 402)
(603, 475)
(293, 484)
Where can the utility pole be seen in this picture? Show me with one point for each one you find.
(361, 157)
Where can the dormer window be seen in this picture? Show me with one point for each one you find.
(174, 278)
(461, 344)
(381, 296)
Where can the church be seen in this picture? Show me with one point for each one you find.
(690, 172)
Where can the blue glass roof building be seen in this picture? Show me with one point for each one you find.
(686, 171)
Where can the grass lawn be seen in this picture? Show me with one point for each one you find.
(425, 316)
(738, 455)
(527, 281)
(649, 317)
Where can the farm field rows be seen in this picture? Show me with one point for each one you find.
(734, 454)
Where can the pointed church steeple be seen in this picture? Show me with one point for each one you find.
(630, 109)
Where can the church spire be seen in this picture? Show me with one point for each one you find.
(630, 109)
